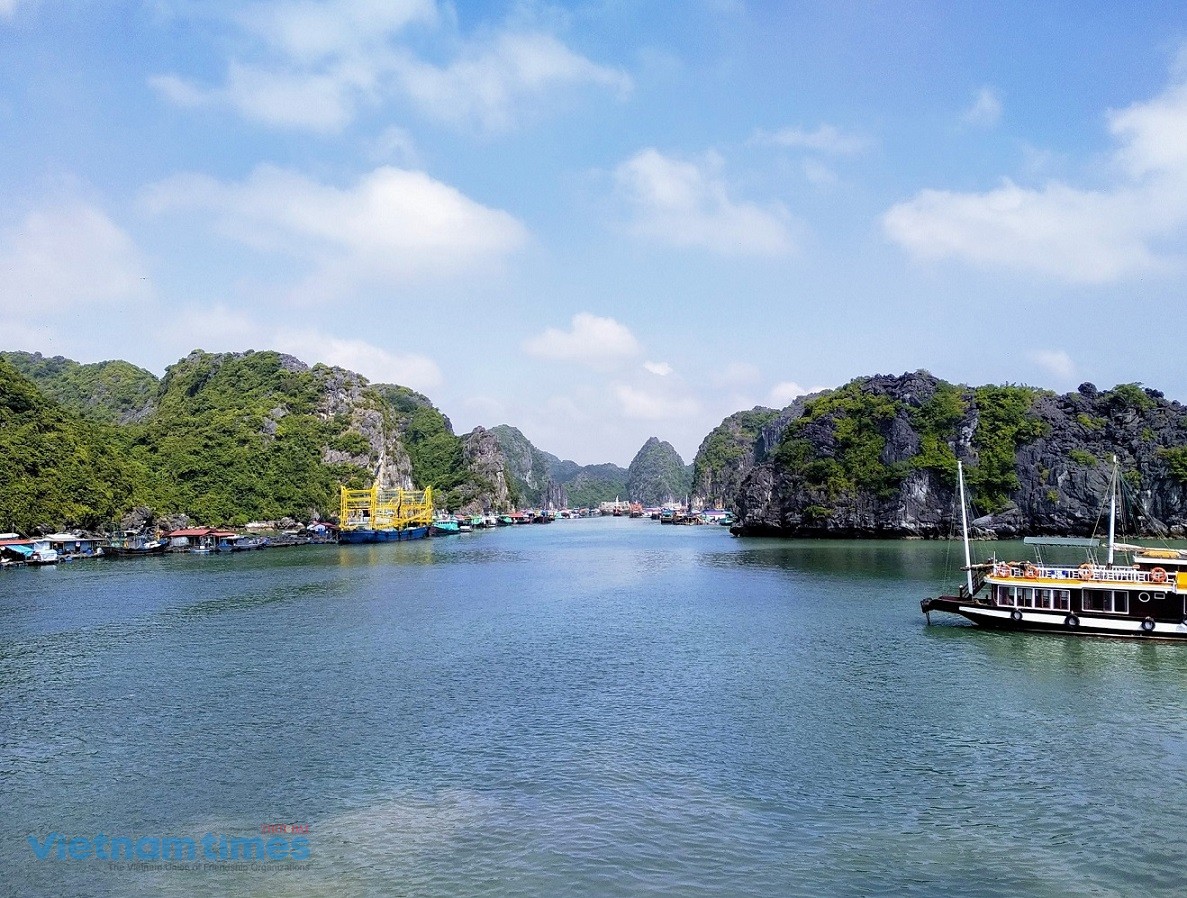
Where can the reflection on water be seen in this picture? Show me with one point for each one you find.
(595, 707)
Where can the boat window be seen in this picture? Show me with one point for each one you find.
(1026, 597)
(1159, 596)
(1063, 599)
(1005, 596)
(1107, 601)
(1143, 596)
(1043, 598)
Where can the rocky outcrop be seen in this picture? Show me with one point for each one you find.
(488, 489)
(878, 456)
(657, 475)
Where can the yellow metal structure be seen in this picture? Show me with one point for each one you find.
(385, 509)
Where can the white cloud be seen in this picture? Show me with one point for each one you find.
(737, 374)
(986, 109)
(661, 369)
(373, 362)
(786, 392)
(68, 255)
(218, 328)
(309, 32)
(1068, 233)
(818, 173)
(489, 84)
(654, 406)
(314, 65)
(1055, 362)
(1076, 235)
(687, 205)
(8, 8)
(597, 342)
(392, 226)
(397, 145)
(825, 139)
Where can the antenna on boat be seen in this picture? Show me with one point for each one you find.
(964, 520)
(1112, 510)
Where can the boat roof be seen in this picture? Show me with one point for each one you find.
(1083, 542)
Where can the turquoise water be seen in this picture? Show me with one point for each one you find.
(604, 707)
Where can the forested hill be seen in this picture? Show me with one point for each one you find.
(111, 392)
(657, 475)
(539, 478)
(223, 439)
(878, 456)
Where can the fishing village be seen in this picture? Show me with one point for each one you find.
(367, 516)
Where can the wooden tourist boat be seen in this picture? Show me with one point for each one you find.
(1145, 597)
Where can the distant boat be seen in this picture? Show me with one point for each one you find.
(444, 527)
(134, 545)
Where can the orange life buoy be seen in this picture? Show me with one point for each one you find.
(1085, 572)
(1158, 575)
(1002, 570)
(1031, 572)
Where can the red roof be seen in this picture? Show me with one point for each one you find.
(202, 531)
(17, 542)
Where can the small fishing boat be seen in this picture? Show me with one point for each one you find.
(1143, 598)
(134, 545)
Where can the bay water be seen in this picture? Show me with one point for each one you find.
(594, 707)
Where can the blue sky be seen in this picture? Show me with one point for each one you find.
(601, 221)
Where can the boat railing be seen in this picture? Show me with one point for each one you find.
(1084, 572)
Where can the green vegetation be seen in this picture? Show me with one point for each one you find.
(230, 438)
(107, 392)
(1005, 424)
(657, 474)
(237, 438)
(436, 455)
(1082, 457)
(1089, 422)
(936, 422)
(1176, 462)
(1128, 396)
(856, 420)
(55, 466)
(592, 485)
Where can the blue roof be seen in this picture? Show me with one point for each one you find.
(27, 551)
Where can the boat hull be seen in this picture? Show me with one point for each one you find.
(382, 536)
(1066, 623)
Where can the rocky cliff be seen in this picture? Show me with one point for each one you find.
(878, 456)
(657, 475)
(540, 479)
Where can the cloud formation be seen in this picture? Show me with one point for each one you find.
(986, 109)
(390, 227)
(687, 205)
(1065, 232)
(825, 139)
(590, 340)
(313, 66)
(1055, 362)
(68, 255)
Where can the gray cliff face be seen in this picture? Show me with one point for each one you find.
(484, 459)
(349, 395)
(731, 450)
(657, 474)
(1042, 468)
(529, 470)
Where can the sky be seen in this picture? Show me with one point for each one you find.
(601, 221)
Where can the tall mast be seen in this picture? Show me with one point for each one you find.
(964, 520)
(1112, 509)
